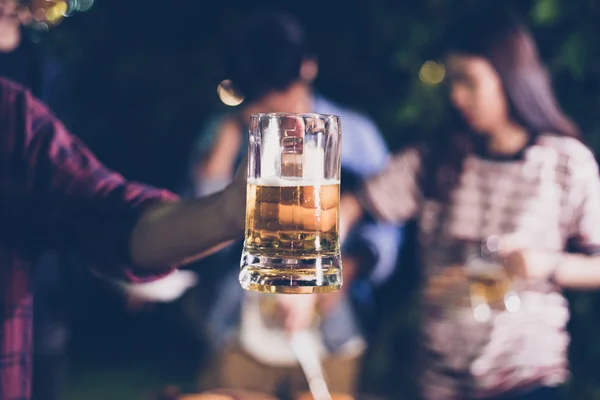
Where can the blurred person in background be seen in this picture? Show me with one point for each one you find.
(55, 194)
(510, 176)
(268, 61)
(33, 66)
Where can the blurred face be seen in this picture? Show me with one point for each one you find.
(9, 12)
(9, 25)
(476, 92)
(8, 8)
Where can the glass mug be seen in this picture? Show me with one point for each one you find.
(490, 284)
(292, 208)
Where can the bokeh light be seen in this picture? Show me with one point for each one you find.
(512, 301)
(482, 312)
(432, 73)
(80, 5)
(228, 95)
(48, 13)
(56, 12)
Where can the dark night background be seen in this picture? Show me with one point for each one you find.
(146, 74)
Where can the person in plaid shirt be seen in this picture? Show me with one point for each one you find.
(54, 194)
(510, 175)
(31, 63)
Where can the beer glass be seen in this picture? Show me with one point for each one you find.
(490, 284)
(292, 209)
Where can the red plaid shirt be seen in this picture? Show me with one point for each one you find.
(54, 194)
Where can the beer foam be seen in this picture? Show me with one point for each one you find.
(313, 162)
(291, 182)
(270, 159)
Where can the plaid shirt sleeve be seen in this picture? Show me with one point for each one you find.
(79, 202)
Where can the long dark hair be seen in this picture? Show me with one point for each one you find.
(498, 36)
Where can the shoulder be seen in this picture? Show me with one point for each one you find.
(572, 155)
(572, 149)
(352, 120)
(11, 91)
(229, 126)
(18, 102)
(217, 122)
(564, 145)
(224, 129)
(217, 126)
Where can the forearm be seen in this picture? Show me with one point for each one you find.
(351, 212)
(576, 271)
(174, 233)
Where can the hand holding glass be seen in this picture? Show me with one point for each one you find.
(490, 282)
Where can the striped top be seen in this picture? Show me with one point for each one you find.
(548, 195)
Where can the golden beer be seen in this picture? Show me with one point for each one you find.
(492, 291)
(292, 219)
(489, 289)
(292, 207)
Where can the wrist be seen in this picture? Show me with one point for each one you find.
(553, 276)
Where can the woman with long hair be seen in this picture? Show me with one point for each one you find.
(507, 183)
